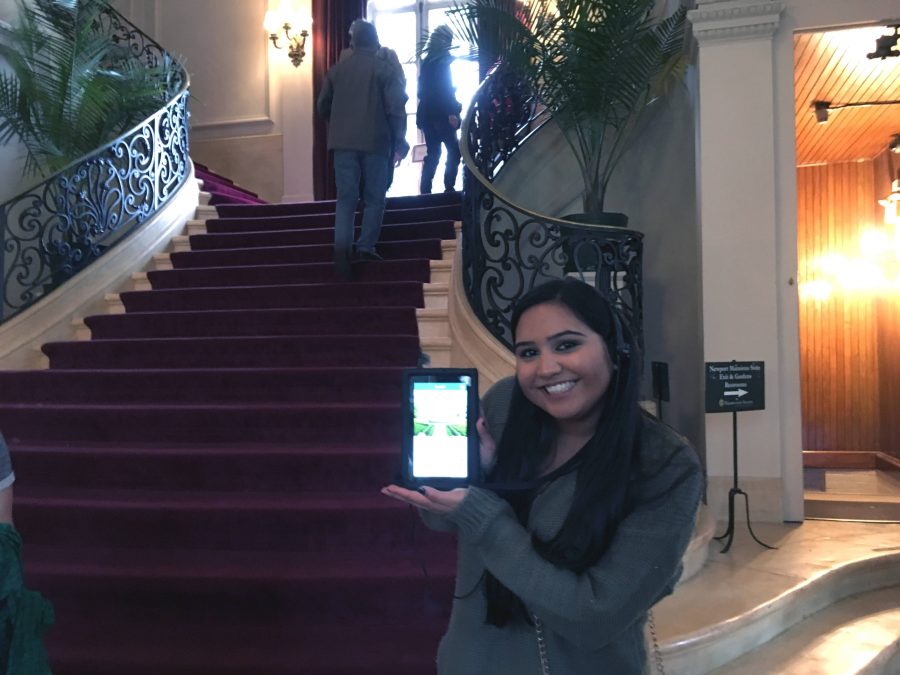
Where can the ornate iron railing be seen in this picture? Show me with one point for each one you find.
(52, 231)
(508, 249)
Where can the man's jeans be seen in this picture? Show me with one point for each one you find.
(349, 167)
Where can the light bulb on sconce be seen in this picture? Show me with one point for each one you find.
(276, 22)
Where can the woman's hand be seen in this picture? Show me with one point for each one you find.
(440, 502)
(443, 502)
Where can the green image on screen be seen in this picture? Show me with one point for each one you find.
(440, 429)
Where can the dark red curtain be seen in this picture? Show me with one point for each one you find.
(331, 21)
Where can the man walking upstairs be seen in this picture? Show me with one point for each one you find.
(364, 100)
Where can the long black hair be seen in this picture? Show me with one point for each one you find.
(604, 465)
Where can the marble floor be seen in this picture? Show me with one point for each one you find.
(750, 595)
(852, 482)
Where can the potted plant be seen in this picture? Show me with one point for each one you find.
(72, 86)
(596, 65)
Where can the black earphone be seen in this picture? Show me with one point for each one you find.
(623, 349)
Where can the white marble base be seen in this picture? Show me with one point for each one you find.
(858, 635)
(51, 318)
(748, 596)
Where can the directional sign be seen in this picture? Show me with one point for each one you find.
(733, 386)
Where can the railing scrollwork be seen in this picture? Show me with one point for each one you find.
(55, 229)
(509, 249)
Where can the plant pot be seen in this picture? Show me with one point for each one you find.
(584, 259)
(607, 218)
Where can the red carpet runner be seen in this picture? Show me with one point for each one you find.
(198, 483)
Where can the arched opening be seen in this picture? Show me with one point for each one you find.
(402, 26)
(848, 250)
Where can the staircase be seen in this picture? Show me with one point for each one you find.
(198, 483)
(221, 189)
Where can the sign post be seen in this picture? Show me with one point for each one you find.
(734, 386)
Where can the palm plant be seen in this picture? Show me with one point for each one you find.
(72, 86)
(596, 65)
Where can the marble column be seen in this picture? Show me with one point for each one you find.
(743, 304)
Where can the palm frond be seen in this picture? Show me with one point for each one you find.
(595, 64)
(76, 88)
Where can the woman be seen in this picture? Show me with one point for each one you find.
(438, 112)
(586, 508)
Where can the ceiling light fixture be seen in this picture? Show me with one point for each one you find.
(822, 108)
(886, 45)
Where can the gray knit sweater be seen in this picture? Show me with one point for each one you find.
(593, 622)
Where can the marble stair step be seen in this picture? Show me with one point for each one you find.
(749, 597)
(857, 636)
(873, 508)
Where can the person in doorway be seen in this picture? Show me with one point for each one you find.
(438, 112)
(363, 98)
(586, 508)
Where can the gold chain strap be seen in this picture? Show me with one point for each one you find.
(545, 662)
(657, 654)
(542, 644)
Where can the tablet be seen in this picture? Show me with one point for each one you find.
(440, 441)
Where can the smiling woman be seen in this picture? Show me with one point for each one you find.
(586, 509)
(563, 367)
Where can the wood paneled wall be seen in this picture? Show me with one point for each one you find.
(839, 360)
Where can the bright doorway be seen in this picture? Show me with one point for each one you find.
(848, 184)
(402, 26)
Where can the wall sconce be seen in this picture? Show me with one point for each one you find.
(892, 201)
(296, 44)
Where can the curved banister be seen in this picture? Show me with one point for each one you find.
(508, 248)
(55, 229)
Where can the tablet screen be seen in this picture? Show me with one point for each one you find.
(440, 428)
(440, 441)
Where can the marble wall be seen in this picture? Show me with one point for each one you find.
(248, 102)
(748, 215)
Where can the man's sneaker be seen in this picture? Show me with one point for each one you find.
(366, 256)
(342, 265)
